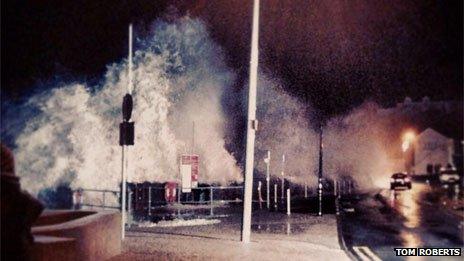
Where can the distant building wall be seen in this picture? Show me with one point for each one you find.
(443, 117)
(432, 151)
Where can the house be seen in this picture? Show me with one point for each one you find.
(432, 150)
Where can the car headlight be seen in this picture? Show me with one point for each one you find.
(392, 180)
(407, 180)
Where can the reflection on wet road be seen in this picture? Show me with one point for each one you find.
(402, 218)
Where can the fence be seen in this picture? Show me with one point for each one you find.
(99, 198)
(144, 198)
(147, 197)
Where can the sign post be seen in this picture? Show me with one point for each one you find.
(189, 166)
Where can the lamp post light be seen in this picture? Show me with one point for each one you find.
(407, 147)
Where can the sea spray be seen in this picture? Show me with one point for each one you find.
(70, 134)
(179, 78)
(355, 145)
(284, 128)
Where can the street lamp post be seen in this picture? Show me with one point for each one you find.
(319, 187)
(252, 125)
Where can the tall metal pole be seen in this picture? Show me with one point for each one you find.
(319, 190)
(252, 125)
(128, 150)
(283, 176)
(126, 137)
(123, 193)
(268, 178)
(129, 87)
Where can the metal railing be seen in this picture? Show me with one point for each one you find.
(151, 197)
(81, 198)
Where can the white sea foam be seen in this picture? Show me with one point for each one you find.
(179, 78)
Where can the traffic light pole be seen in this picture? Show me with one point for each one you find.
(126, 137)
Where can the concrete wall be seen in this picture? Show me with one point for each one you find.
(54, 248)
(89, 235)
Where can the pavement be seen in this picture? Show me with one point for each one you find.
(275, 236)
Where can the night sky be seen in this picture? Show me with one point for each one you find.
(333, 55)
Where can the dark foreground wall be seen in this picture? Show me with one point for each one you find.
(77, 235)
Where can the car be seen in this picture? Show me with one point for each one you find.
(400, 180)
(448, 175)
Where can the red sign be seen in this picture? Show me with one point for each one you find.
(193, 161)
(170, 191)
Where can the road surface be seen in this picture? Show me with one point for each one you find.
(378, 221)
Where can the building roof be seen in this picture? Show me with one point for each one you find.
(431, 133)
(445, 117)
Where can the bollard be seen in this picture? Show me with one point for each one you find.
(456, 192)
(75, 198)
(129, 208)
(283, 186)
(275, 196)
(288, 202)
(349, 187)
(268, 178)
(306, 190)
(335, 188)
(260, 197)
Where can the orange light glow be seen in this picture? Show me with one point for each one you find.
(408, 138)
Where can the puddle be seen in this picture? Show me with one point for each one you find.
(280, 228)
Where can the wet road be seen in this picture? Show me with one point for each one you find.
(384, 219)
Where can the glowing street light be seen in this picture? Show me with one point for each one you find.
(408, 150)
(408, 139)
